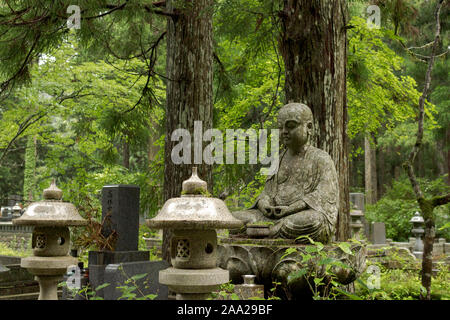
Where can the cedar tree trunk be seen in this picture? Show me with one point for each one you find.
(313, 43)
(189, 88)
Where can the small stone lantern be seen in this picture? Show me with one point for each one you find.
(50, 240)
(16, 211)
(356, 223)
(417, 231)
(193, 217)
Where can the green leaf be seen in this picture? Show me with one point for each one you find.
(297, 274)
(288, 252)
(445, 226)
(348, 294)
(138, 276)
(318, 281)
(311, 249)
(104, 285)
(345, 246)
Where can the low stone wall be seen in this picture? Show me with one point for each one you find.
(440, 247)
(15, 237)
(17, 283)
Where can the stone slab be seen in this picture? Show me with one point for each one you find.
(7, 260)
(378, 233)
(120, 207)
(109, 257)
(117, 274)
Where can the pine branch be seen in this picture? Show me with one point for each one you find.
(22, 128)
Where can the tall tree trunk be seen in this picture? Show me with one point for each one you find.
(370, 170)
(313, 44)
(189, 88)
(448, 155)
(126, 154)
(439, 156)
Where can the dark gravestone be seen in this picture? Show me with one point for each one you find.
(120, 213)
(117, 274)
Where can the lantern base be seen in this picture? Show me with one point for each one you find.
(48, 266)
(190, 284)
(48, 287)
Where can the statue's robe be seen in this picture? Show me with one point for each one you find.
(312, 179)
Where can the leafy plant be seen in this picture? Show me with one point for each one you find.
(319, 268)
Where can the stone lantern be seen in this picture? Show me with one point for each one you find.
(16, 211)
(194, 218)
(417, 231)
(51, 219)
(356, 223)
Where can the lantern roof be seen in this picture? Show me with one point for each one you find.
(417, 218)
(52, 211)
(194, 209)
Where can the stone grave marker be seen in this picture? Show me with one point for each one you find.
(120, 209)
(378, 233)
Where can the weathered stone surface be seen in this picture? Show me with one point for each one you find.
(7, 260)
(302, 197)
(268, 262)
(109, 257)
(193, 280)
(378, 233)
(120, 211)
(249, 290)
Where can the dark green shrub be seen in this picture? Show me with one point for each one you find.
(398, 205)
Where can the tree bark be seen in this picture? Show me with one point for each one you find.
(313, 43)
(426, 205)
(126, 154)
(189, 88)
(448, 155)
(370, 170)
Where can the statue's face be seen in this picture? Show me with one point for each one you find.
(294, 132)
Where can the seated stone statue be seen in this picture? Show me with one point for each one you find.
(302, 197)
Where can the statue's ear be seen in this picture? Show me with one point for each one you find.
(309, 125)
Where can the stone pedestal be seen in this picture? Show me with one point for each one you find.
(268, 261)
(249, 289)
(378, 233)
(193, 284)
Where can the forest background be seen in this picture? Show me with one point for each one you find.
(89, 117)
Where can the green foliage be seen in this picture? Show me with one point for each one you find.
(319, 268)
(225, 292)
(7, 250)
(403, 284)
(378, 93)
(399, 204)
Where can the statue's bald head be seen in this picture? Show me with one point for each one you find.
(295, 111)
